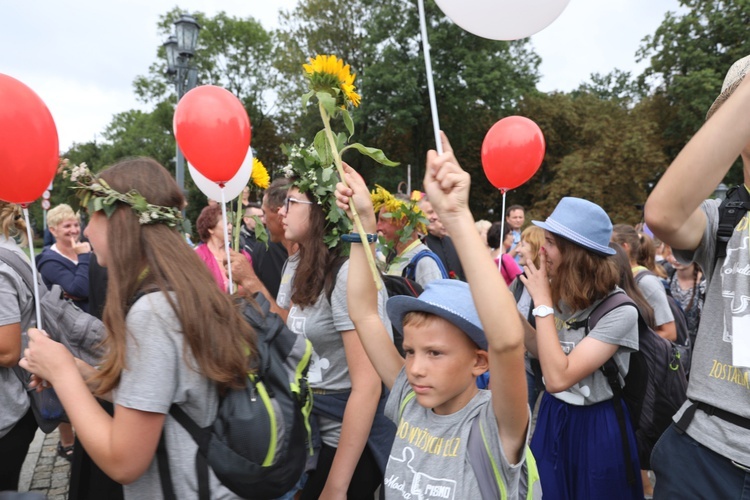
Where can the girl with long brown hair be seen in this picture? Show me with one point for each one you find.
(355, 436)
(172, 337)
(577, 440)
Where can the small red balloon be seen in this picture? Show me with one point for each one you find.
(512, 152)
(213, 131)
(29, 149)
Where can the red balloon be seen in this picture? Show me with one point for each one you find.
(29, 150)
(213, 131)
(512, 152)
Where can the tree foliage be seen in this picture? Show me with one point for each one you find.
(597, 149)
(689, 55)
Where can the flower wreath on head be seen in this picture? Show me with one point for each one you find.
(318, 181)
(408, 212)
(95, 194)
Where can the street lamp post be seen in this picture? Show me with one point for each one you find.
(721, 191)
(180, 49)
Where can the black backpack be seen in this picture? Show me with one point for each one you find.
(259, 442)
(655, 386)
(683, 342)
(731, 212)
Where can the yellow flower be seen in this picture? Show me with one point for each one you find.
(329, 73)
(416, 195)
(259, 175)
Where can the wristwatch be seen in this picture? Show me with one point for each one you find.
(542, 311)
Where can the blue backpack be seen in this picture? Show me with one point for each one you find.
(410, 271)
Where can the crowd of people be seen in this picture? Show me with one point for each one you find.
(504, 307)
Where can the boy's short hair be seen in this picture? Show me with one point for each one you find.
(450, 300)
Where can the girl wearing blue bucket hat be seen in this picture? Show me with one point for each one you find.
(577, 440)
(453, 332)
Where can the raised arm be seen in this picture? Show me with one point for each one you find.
(672, 211)
(447, 187)
(362, 296)
(244, 274)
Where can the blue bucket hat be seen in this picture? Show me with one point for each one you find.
(581, 222)
(449, 299)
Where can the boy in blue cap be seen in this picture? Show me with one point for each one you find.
(434, 399)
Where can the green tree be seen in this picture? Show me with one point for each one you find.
(689, 55)
(597, 149)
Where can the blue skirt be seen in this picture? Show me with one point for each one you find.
(578, 451)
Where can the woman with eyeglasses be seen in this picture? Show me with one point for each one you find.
(348, 404)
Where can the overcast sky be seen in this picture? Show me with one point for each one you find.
(81, 56)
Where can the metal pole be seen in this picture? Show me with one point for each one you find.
(180, 163)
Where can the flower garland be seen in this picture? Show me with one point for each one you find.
(319, 182)
(95, 194)
(411, 217)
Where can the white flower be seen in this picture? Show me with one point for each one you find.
(144, 218)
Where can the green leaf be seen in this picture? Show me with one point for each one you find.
(322, 148)
(306, 97)
(348, 122)
(340, 141)
(260, 231)
(328, 102)
(374, 153)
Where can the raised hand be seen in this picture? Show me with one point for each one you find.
(536, 281)
(359, 194)
(79, 247)
(446, 183)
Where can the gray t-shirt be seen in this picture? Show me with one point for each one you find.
(429, 455)
(656, 296)
(426, 270)
(619, 327)
(156, 376)
(16, 306)
(323, 323)
(713, 378)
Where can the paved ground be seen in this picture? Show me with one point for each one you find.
(43, 471)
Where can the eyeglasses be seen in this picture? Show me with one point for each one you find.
(288, 200)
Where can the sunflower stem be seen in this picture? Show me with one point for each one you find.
(237, 224)
(355, 215)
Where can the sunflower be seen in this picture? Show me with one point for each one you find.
(259, 175)
(330, 74)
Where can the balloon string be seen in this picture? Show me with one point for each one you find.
(430, 84)
(34, 275)
(502, 231)
(226, 239)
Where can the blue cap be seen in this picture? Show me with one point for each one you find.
(581, 222)
(449, 299)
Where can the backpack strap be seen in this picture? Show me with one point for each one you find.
(488, 477)
(731, 212)
(410, 271)
(23, 269)
(201, 437)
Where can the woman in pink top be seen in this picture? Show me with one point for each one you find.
(211, 250)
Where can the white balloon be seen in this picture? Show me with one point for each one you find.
(232, 188)
(503, 19)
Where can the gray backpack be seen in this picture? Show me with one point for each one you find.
(64, 322)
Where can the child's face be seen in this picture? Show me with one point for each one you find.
(442, 365)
